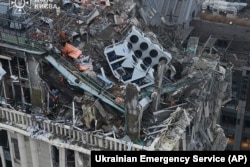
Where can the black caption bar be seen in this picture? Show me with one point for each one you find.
(163, 158)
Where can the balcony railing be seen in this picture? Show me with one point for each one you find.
(19, 119)
(19, 39)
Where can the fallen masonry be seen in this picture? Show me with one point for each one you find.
(93, 76)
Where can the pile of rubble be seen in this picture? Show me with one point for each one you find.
(115, 79)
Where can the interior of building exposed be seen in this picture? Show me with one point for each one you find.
(122, 75)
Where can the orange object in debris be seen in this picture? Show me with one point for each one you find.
(119, 100)
(71, 51)
(83, 67)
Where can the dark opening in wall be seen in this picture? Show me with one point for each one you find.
(4, 139)
(247, 123)
(22, 67)
(222, 43)
(55, 156)
(228, 121)
(193, 14)
(70, 154)
(5, 144)
(16, 148)
(179, 69)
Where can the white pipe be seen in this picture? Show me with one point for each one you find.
(78, 128)
(103, 73)
(5, 57)
(108, 134)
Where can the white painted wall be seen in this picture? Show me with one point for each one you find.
(44, 153)
(37, 153)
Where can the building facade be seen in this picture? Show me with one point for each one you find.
(54, 114)
(170, 12)
(235, 118)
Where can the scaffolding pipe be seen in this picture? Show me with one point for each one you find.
(12, 85)
(73, 109)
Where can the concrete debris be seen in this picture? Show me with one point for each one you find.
(132, 112)
(100, 109)
(48, 21)
(89, 116)
(118, 20)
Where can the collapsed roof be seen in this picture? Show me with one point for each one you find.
(130, 90)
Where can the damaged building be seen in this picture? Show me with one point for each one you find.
(95, 75)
